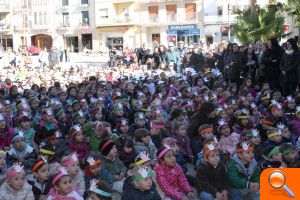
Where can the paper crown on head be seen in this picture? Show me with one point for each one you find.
(93, 188)
(244, 146)
(252, 133)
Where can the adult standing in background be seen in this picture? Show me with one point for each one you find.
(143, 54)
(289, 66)
(173, 57)
(236, 65)
(272, 61)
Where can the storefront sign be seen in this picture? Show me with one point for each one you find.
(182, 27)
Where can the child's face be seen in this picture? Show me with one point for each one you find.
(169, 159)
(277, 156)
(244, 122)
(73, 169)
(124, 129)
(225, 130)
(79, 137)
(113, 152)
(291, 105)
(119, 113)
(19, 144)
(93, 196)
(140, 123)
(286, 133)
(155, 131)
(181, 117)
(146, 139)
(95, 169)
(174, 147)
(128, 149)
(98, 116)
(181, 131)
(277, 113)
(246, 156)
(42, 174)
(2, 160)
(17, 181)
(255, 140)
(25, 125)
(277, 138)
(48, 118)
(64, 185)
(81, 121)
(54, 142)
(213, 158)
(2, 124)
(144, 185)
(207, 135)
(291, 157)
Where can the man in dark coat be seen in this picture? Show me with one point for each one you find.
(236, 65)
(143, 54)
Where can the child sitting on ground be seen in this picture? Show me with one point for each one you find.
(243, 173)
(141, 185)
(99, 190)
(143, 143)
(290, 155)
(212, 175)
(15, 185)
(63, 187)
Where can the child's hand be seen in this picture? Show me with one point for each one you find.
(225, 194)
(219, 196)
(254, 187)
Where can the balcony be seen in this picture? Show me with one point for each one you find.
(117, 21)
(218, 19)
(153, 20)
(4, 8)
(172, 18)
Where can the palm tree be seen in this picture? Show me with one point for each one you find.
(293, 8)
(259, 24)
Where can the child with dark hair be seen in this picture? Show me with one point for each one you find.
(99, 190)
(273, 157)
(205, 133)
(290, 155)
(126, 149)
(25, 127)
(139, 122)
(59, 145)
(170, 176)
(140, 185)
(63, 187)
(143, 143)
(243, 124)
(39, 179)
(158, 132)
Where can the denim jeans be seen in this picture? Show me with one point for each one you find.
(244, 194)
(206, 196)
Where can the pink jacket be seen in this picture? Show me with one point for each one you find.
(228, 144)
(172, 181)
(82, 149)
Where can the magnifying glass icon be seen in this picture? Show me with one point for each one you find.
(277, 180)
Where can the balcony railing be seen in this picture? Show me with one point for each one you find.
(153, 20)
(172, 18)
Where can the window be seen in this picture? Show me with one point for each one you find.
(190, 11)
(66, 19)
(84, 1)
(103, 13)
(156, 37)
(153, 14)
(171, 13)
(220, 10)
(35, 18)
(65, 2)
(85, 18)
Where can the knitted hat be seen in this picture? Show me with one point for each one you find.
(163, 151)
(105, 146)
(252, 133)
(244, 146)
(168, 141)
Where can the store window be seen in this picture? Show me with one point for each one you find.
(103, 13)
(65, 2)
(190, 11)
(84, 1)
(220, 10)
(85, 18)
(156, 37)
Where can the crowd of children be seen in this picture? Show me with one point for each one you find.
(139, 137)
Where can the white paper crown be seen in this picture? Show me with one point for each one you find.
(77, 127)
(298, 108)
(215, 139)
(27, 114)
(253, 105)
(83, 100)
(80, 113)
(74, 157)
(144, 156)
(190, 103)
(44, 159)
(93, 183)
(280, 126)
(123, 122)
(173, 98)
(254, 132)
(57, 134)
(221, 122)
(289, 98)
(158, 112)
(167, 146)
(179, 94)
(93, 100)
(274, 102)
(211, 147)
(7, 102)
(21, 133)
(225, 106)
(206, 98)
(18, 168)
(205, 79)
(245, 146)
(91, 160)
(49, 111)
(63, 170)
(25, 105)
(143, 171)
(118, 94)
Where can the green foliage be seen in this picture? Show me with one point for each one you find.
(259, 24)
(292, 7)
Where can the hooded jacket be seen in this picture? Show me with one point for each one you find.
(240, 176)
(8, 193)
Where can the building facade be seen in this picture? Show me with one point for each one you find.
(76, 25)
(6, 28)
